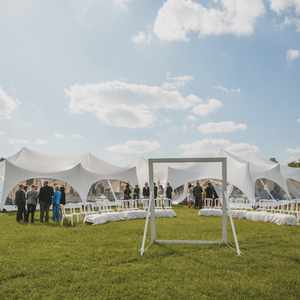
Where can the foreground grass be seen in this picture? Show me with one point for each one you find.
(102, 262)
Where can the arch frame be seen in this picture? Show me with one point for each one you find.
(150, 218)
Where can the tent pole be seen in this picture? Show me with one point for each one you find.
(225, 209)
(150, 216)
(112, 190)
(152, 202)
(237, 246)
(266, 189)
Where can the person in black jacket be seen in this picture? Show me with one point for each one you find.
(127, 192)
(63, 195)
(211, 193)
(45, 199)
(155, 190)
(20, 201)
(146, 191)
(169, 191)
(197, 192)
(136, 192)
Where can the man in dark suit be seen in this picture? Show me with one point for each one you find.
(155, 190)
(136, 192)
(45, 199)
(146, 191)
(211, 193)
(20, 201)
(169, 191)
(197, 192)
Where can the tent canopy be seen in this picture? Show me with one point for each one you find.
(81, 171)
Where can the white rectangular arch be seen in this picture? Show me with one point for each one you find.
(150, 218)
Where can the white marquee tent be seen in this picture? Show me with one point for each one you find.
(81, 171)
(244, 169)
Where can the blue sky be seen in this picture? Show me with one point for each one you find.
(137, 78)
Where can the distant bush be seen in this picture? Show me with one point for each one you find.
(295, 164)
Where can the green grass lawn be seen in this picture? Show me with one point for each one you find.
(102, 261)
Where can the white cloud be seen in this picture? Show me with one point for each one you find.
(8, 104)
(15, 8)
(214, 146)
(290, 9)
(176, 18)
(294, 154)
(280, 6)
(76, 136)
(122, 3)
(288, 20)
(58, 135)
(40, 142)
(292, 54)
(135, 148)
(142, 38)
(227, 90)
(221, 127)
(122, 104)
(298, 120)
(25, 142)
(293, 150)
(2, 132)
(176, 82)
(192, 118)
(17, 141)
(204, 109)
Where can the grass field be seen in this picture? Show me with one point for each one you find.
(102, 262)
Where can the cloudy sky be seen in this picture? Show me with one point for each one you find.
(140, 78)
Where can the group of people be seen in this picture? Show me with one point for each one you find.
(26, 202)
(196, 194)
(158, 191)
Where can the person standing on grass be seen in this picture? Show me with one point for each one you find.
(169, 191)
(146, 191)
(127, 192)
(136, 192)
(190, 196)
(197, 192)
(56, 205)
(63, 196)
(45, 199)
(211, 193)
(155, 190)
(32, 198)
(20, 201)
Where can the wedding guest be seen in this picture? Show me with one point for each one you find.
(20, 201)
(146, 191)
(63, 196)
(211, 193)
(32, 199)
(127, 192)
(169, 191)
(190, 196)
(136, 192)
(155, 190)
(197, 192)
(56, 205)
(45, 199)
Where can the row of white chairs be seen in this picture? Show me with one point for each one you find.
(76, 213)
(289, 207)
(212, 203)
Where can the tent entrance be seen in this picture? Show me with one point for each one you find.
(150, 219)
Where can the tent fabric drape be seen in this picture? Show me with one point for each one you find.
(81, 171)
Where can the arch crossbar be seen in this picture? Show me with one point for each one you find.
(150, 218)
